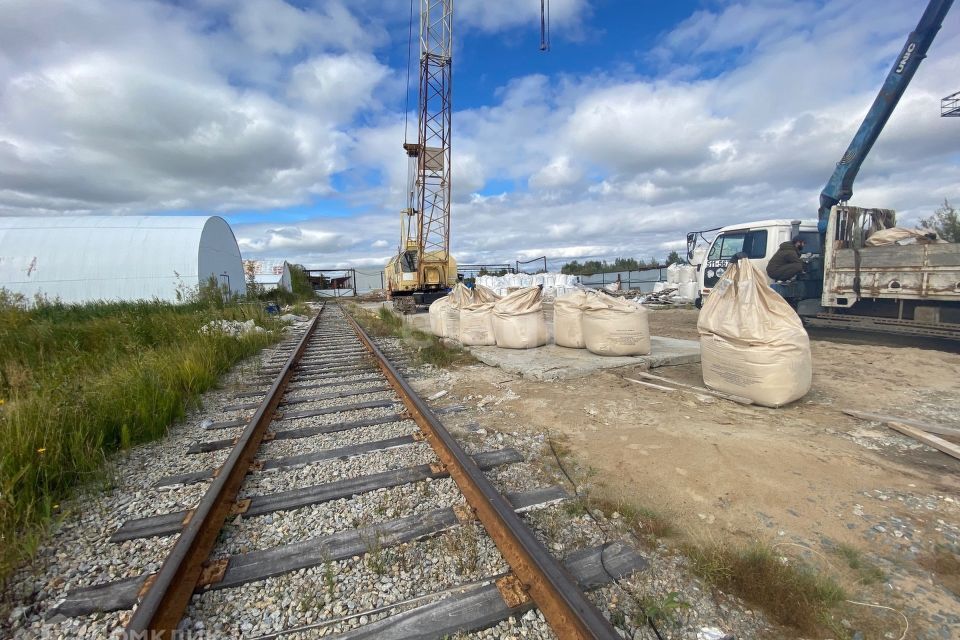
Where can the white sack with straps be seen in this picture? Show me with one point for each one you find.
(752, 343)
(436, 316)
(568, 320)
(476, 325)
(484, 294)
(518, 321)
(445, 312)
(615, 327)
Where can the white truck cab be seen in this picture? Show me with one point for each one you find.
(759, 240)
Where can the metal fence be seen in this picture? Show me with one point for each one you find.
(639, 280)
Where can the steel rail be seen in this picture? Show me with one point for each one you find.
(545, 580)
(166, 598)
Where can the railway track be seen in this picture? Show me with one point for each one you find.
(308, 425)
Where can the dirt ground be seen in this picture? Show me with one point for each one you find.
(802, 477)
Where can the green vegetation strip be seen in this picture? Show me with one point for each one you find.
(78, 382)
(427, 348)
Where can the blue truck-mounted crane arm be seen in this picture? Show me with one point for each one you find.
(840, 186)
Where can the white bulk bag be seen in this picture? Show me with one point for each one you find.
(615, 327)
(445, 312)
(752, 343)
(688, 273)
(568, 320)
(673, 273)
(689, 290)
(659, 286)
(437, 309)
(481, 293)
(518, 321)
(476, 324)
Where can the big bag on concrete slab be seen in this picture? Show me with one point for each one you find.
(518, 321)
(615, 327)
(568, 320)
(484, 294)
(476, 325)
(437, 308)
(752, 343)
(445, 312)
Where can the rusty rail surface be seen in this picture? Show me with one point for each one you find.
(168, 591)
(552, 589)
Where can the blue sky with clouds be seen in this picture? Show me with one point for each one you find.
(644, 121)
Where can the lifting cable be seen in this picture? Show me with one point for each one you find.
(544, 25)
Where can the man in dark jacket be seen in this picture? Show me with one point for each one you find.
(786, 263)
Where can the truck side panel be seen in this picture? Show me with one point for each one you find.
(911, 272)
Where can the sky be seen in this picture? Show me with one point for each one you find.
(644, 121)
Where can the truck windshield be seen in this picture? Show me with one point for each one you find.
(753, 243)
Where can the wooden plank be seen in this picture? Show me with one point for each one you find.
(338, 383)
(481, 606)
(290, 462)
(309, 413)
(206, 447)
(170, 523)
(928, 439)
(317, 398)
(939, 429)
(112, 596)
(260, 565)
(228, 424)
(651, 385)
(712, 392)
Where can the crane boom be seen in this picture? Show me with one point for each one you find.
(840, 186)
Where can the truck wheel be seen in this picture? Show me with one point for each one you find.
(698, 303)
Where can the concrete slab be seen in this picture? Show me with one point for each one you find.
(551, 362)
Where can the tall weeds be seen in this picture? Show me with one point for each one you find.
(78, 382)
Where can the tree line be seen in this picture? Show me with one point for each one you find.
(590, 267)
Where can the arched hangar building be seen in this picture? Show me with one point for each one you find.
(86, 258)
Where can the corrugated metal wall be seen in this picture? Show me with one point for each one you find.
(85, 258)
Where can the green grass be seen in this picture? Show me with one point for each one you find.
(867, 573)
(427, 348)
(792, 593)
(78, 382)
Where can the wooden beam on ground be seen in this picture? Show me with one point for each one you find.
(260, 565)
(166, 524)
(481, 606)
(720, 394)
(928, 439)
(651, 385)
(939, 429)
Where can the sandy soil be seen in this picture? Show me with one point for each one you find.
(806, 474)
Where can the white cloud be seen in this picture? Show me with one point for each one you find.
(274, 26)
(335, 86)
(497, 16)
(742, 113)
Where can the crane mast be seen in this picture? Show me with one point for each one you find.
(428, 206)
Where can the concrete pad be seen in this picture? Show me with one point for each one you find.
(551, 362)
